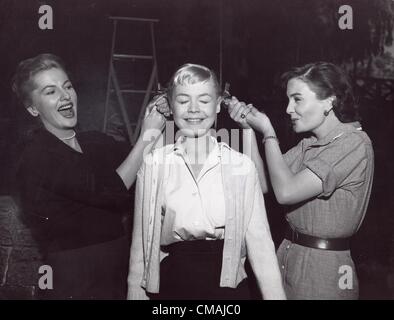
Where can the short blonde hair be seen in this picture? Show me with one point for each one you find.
(190, 73)
(27, 69)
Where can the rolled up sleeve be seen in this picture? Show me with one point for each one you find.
(340, 163)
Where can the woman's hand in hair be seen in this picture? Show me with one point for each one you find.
(160, 101)
(154, 122)
(248, 116)
(238, 111)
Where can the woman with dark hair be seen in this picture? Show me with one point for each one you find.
(73, 186)
(325, 180)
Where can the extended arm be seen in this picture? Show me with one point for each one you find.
(250, 147)
(289, 188)
(154, 123)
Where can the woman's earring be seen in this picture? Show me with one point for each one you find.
(327, 112)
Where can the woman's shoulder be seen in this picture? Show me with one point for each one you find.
(354, 136)
(36, 142)
(158, 154)
(225, 148)
(234, 157)
(360, 135)
(38, 153)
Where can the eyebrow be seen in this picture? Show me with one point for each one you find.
(295, 94)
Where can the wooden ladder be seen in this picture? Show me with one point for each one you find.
(113, 85)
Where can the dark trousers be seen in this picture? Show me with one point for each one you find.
(94, 272)
(192, 271)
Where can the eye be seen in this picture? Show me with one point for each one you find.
(183, 101)
(49, 92)
(69, 86)
(205, 101)
(296, 99)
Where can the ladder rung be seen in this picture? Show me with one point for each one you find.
(134, 19)
(131, 56)
(132, 91)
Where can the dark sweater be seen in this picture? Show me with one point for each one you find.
(72, 200)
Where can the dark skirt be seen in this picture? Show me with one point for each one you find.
(192, 271)
(94, 272)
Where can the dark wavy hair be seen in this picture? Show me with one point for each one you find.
(27, 69)
(328, 80)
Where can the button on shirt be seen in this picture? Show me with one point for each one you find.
(193, 207)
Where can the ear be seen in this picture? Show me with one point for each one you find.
(330, 101)
(33, 111)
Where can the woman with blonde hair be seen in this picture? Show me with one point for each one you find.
(199, 209)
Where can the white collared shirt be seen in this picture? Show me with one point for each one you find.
(193, 207)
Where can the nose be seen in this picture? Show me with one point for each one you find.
(65, 95)
(290, 108)
(193, 106)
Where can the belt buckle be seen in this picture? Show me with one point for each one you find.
(323, 244)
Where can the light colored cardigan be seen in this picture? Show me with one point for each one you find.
(246, 226)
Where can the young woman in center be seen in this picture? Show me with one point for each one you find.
(199, 209)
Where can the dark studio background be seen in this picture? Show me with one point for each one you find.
(260, 40)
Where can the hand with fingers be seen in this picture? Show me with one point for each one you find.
(161, 103)
(248, 116)
(238, 111)
(154, 120)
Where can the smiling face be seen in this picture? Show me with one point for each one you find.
(54, 100)
(194, 107)
(305, 109)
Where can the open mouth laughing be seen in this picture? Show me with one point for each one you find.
(67, 110)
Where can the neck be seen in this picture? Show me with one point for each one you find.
(200, 146)
(62, 134)
(329, 123)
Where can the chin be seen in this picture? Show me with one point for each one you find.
(70, 124)
(193, 133)
(297, 129)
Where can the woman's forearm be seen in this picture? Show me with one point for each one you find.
(129, 167)
(279, 172)
(289, 188)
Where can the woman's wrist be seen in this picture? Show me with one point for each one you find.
(267, 129)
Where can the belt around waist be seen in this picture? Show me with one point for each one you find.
(306, 240)
(194, 246)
